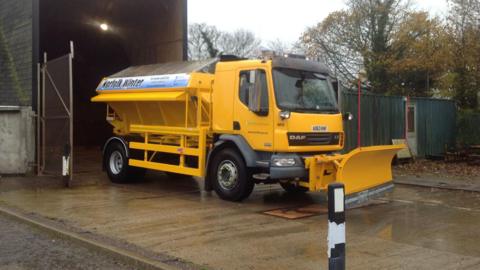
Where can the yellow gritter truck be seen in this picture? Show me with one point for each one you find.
(236, 123)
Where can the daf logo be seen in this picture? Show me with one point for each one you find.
(297, 137)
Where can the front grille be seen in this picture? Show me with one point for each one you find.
(303, 139)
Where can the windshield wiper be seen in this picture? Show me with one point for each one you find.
(319, 76)
(313, 110)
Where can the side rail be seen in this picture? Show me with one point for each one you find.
(185, 149)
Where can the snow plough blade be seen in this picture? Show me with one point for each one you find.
(365, 171)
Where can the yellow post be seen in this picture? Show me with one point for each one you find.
(182, 146)
(202, 150)
(145, 152)
(199, 108)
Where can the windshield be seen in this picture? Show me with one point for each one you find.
(303, 91)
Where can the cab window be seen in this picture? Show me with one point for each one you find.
(253, 91)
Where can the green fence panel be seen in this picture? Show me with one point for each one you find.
(436, 125)
(382, 119)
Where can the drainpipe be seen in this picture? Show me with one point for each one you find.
(359, 113)
(362, 77)
(407, 101)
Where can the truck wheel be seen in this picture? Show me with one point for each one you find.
(116, 164)
(292, 188)
(231, 178)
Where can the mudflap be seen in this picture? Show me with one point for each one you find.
(366, 171)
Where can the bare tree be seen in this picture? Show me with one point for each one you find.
(358, 37)
(464, 23)
(241, 43)
(331, 42)
(375, 23)
(279, 46)
(203, 41)
(207, 41)
(464, 14)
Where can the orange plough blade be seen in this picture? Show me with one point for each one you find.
(361, 170)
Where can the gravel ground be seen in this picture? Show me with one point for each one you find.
(26, 247)
(439, 170)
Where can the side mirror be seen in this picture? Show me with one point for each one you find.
(347, 116)
(284, 115)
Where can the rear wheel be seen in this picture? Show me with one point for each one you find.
(292, 188)
(231, 179)
(116, 165)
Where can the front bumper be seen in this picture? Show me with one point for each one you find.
(360, 170)
(288, 172)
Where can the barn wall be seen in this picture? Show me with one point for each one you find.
(16, 52)
(166, 39)
(30, 27)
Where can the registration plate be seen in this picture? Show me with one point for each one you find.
(319, 128)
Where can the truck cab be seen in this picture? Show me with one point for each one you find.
(277, 112)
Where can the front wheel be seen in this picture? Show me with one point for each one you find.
(231, 178)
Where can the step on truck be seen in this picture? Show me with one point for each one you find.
(236, 123)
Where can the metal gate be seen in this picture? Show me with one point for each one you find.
(55, 127)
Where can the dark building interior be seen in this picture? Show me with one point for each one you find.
(134, 33)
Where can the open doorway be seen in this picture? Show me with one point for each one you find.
(108, 36)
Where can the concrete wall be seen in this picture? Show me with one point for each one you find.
(162, 39)
(17, 145)
(16, 52)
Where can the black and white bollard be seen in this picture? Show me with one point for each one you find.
(66, 165)
(336, 226)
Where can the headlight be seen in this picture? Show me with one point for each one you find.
(284, 162)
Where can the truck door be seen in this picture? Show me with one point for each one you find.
(253, 117)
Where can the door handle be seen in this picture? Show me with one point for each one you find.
(236, 125)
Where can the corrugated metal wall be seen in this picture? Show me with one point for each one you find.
(383, 119)
(436, 125)
(468, 128)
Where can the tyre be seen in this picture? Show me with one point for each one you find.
(231, 179)
(292, 188)
(116, 165)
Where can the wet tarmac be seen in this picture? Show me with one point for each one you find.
(419, 228)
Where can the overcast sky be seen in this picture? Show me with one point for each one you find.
(272, 19)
